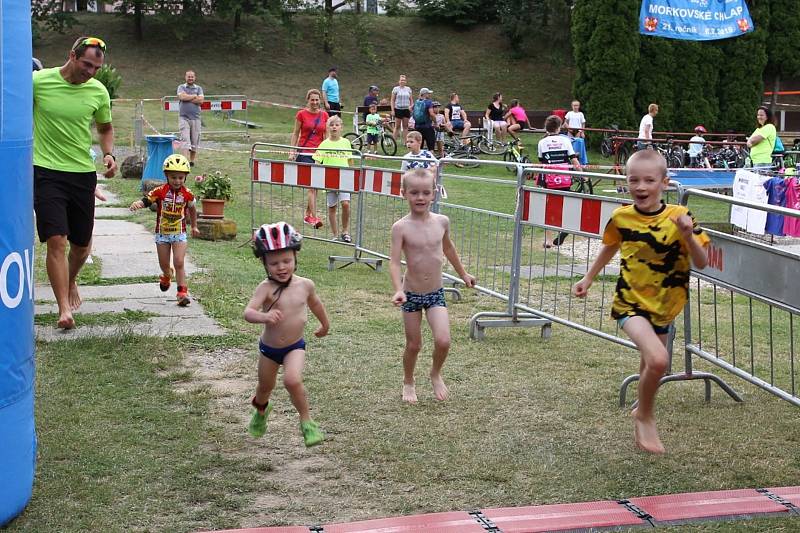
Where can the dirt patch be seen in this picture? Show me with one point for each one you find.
(301, 486)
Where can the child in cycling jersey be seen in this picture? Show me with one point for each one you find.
(281, 303)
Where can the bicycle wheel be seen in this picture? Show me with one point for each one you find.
(469, 160)
(388, 144)
(508, 157)
(356, 141)
(605, 147)
(493, 147)
(623, 153)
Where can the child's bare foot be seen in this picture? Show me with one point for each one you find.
(440, 390)
(409, 393)
(646, 434)
(74, 296)
(65, 321)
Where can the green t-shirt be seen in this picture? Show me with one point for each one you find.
(372, 123)
(762, 152)
(62, 120)
(334, 159)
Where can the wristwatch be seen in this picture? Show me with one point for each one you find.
(112, 155)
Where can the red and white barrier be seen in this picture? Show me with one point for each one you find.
(210, 105)
(306, 175)
(570, 213)
(381, 181)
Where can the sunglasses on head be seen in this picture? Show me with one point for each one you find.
(92, 41)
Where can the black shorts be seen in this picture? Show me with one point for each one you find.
(64, 204)
(428, 136)
(335, 110)
(523, 125)
(402, 113)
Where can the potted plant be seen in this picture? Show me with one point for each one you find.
(213, 190)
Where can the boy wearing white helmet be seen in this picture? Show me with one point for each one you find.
(173, 203)
(281, 303)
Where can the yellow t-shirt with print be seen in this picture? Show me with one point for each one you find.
(654, 262)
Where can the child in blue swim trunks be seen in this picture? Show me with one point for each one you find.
(280, 302)
(424, 238)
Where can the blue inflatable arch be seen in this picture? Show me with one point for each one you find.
(17, 434)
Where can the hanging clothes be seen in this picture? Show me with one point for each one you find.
(791, 225)
(776, 195)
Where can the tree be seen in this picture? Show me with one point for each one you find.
(459, 13)
(783, 61)
(696, 100)
(656, 80)
(550, 18)
(607, 80)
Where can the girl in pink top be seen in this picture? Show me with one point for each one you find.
(517, 118)
(791, 225)
(309, 131)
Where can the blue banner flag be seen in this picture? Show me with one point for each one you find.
(695, 20)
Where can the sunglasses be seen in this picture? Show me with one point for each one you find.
(92, 41)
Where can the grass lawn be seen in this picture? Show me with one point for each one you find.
(149, 434)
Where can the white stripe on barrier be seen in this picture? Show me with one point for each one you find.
(305, 175)
(382, 181)
(210, 105)
(568, 211)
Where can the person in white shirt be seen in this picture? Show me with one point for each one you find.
(646, 127)
(575, 119)
(696, 145)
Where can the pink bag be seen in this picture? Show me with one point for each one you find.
(556, 181)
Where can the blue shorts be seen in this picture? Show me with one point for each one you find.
(372, 138)
(416, 301)
(457, 124)
(279, 354)
(169, 238)
(660, 330)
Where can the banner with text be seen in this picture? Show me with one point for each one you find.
(695, 20)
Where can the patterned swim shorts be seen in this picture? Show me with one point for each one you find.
(169, 238)
(416, 301)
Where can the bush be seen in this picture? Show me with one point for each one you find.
(459, 13)
(108, 76)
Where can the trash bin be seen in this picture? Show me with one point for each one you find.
(561, 113)
(159, 147)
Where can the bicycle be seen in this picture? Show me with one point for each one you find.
(359, 140)
(607, 144)
(514, 155)
(468, 152)
(674, 154)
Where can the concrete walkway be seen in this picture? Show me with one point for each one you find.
(126, 249)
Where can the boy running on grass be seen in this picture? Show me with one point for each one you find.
(280, 302)
(173, 201)
(424, 238)
(657, 241)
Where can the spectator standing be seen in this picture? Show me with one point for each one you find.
(762, 141)
(330, 93)
(576, 120)
(371, 98)
(401, 106)
(424, 118)
(456, 117)
(496, 114)
(189, 124)
(66, 100)
(309, 131)
(646, 128)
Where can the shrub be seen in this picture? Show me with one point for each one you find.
(108, 76)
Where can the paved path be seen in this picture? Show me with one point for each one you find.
(126, 249)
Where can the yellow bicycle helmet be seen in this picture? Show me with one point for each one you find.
(177, 162)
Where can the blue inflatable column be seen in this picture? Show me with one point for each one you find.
(17, 433)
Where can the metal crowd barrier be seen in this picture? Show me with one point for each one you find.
(226, 103)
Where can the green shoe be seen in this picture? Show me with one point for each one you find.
(258, 424)
(312, 435)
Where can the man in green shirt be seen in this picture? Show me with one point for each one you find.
(66, 100)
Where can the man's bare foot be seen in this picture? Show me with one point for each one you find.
(440, 390)
(74, 296)
(409, 393)
(65, 321)
(646, 434)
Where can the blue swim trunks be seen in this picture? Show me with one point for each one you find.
(416, 301)
(279, 354)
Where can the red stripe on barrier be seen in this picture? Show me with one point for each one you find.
(357, 180)
(590, 215)
(244, 104)
(166, 106)
(526, 205)
(377, 181)
(304, 175)
(331, 178)
(276, 172)
(553, 210)
(395, 189)
(255, 170)
(225, 105)
(205, 106)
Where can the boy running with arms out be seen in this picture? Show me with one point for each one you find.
(173, 202)
(424, 238)
(656, 242)
(280, 302)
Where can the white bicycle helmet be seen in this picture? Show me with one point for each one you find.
(275, 237)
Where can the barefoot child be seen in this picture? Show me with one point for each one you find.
(280, 302)
(656, 242)
(424, 238)
(173, 202)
